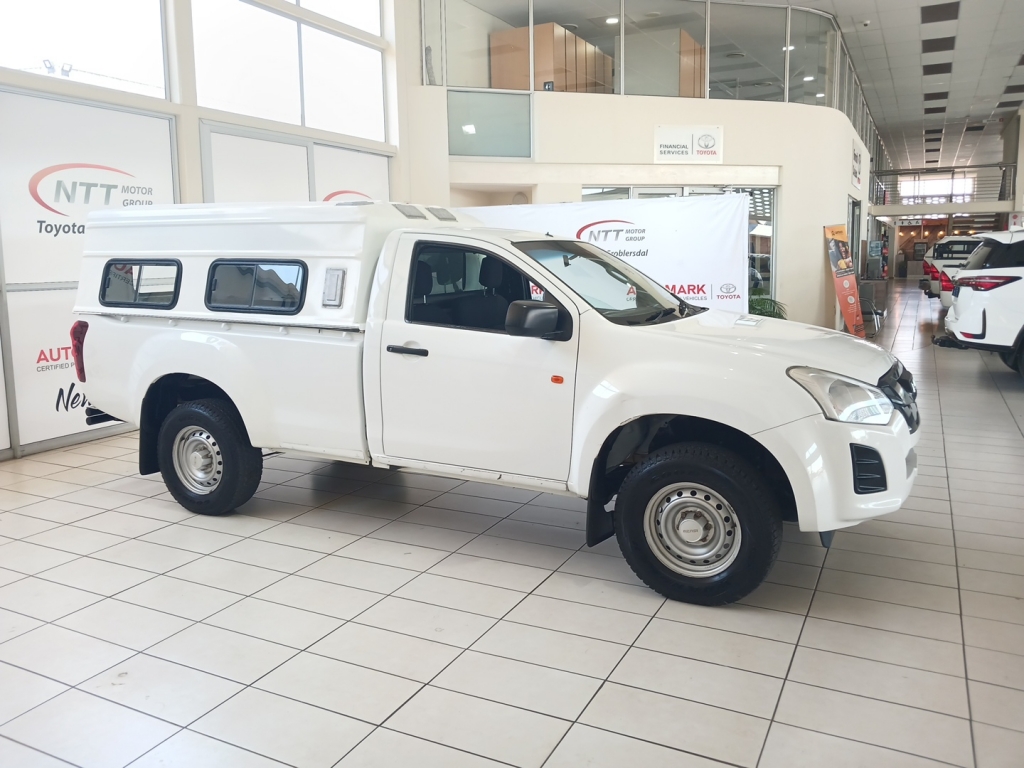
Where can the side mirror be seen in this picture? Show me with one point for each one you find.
(531, 318)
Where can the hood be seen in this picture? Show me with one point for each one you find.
(786, 341)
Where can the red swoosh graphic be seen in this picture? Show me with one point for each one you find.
(33, 183)
(345, 192)
(579, 234)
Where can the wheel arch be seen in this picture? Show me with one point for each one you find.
(162, 396)
(634, 440)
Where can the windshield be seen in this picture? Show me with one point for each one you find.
(955, 250)
(612, 287)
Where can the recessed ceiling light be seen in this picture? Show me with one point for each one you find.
(808, 78)
(469, 129)
(612, 20)
(789, 48)
(819, 95)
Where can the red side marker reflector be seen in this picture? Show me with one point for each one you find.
(78, 331)
(557, 380)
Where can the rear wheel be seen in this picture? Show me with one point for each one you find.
(698, 524)
(1010, 359)
(206, 459)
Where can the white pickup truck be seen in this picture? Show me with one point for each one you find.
(404, 336)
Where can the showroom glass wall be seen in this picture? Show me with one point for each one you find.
(198, 100)
(683, 48)
(761, 222)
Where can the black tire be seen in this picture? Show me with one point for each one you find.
(235, 463)
(1010, 360)
(729, 478)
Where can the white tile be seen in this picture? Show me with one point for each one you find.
(14, 624)
(601, 593)
(282, 729)
(58, 511)
(937, 625)
(482, 727)
(70, 538)
(96, 576)
(713, 684)
(422, 535)
(15, 526)
(928, 734)
(23, 757)
(523, 578)
(305, 537)
(148, 557)
(461, 595)
(227, 575)
(92, 731)
(343, 522)
(157, 509)
(121, 524)
(276, 623)
(278, 557)
(193, 750)
(387, 651)
(995, 667)
(358, 573)
(717, 733)
(888, 682)
(22, 557)
(994, 635)
(23, 690)
(731, 649)
(547, 647)
(997, 705)
(997, 747)
(44, 600)
(181, 598)
(789, 747)
(233, 524)
(429, 622)
(188, 537)
(521, 552)
(341, 687)
(220, 652)
(335, 600)
(528, 686)
(124, 624)
(745, 619)
(394, 554)
(61, 654)
(596, 748)
(385, 749)
(162, 689)
(95, 497)
(575, 618)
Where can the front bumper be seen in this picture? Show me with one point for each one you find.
(815, 454)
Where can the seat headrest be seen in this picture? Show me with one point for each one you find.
(423, 284)
(492, 272)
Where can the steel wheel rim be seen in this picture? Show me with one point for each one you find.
(692, 530)
(197, 460)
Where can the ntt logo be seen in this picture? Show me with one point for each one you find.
(594, 232)
(87, 190)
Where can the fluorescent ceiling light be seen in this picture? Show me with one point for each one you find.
(789, 48)
(612, 20)
(819, 95)
(808, 78)
(470, 129)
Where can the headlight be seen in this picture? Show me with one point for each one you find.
(842, 398)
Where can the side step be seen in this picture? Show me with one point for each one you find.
(96, 416)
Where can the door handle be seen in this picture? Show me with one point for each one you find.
(407, 350)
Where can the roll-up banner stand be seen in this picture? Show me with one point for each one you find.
(845, 275)
(59, 161)
(695, 246)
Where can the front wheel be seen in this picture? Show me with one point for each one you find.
(698, 524)
(206, 459)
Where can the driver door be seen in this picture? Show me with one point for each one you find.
(456, 389)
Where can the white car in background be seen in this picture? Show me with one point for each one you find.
(988, 298)
(949, 251)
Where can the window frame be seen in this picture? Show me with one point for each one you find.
(564, 315)
(256, 263)
(176, 263)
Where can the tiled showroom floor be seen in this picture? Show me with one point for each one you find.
(382, 619)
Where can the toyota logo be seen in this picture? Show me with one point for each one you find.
(707, 141)
(728, 288)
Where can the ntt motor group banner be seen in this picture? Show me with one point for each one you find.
(694, 246)
(58, 162)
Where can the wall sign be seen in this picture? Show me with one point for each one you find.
(689, 144)
(694, 246)
(856, 178)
